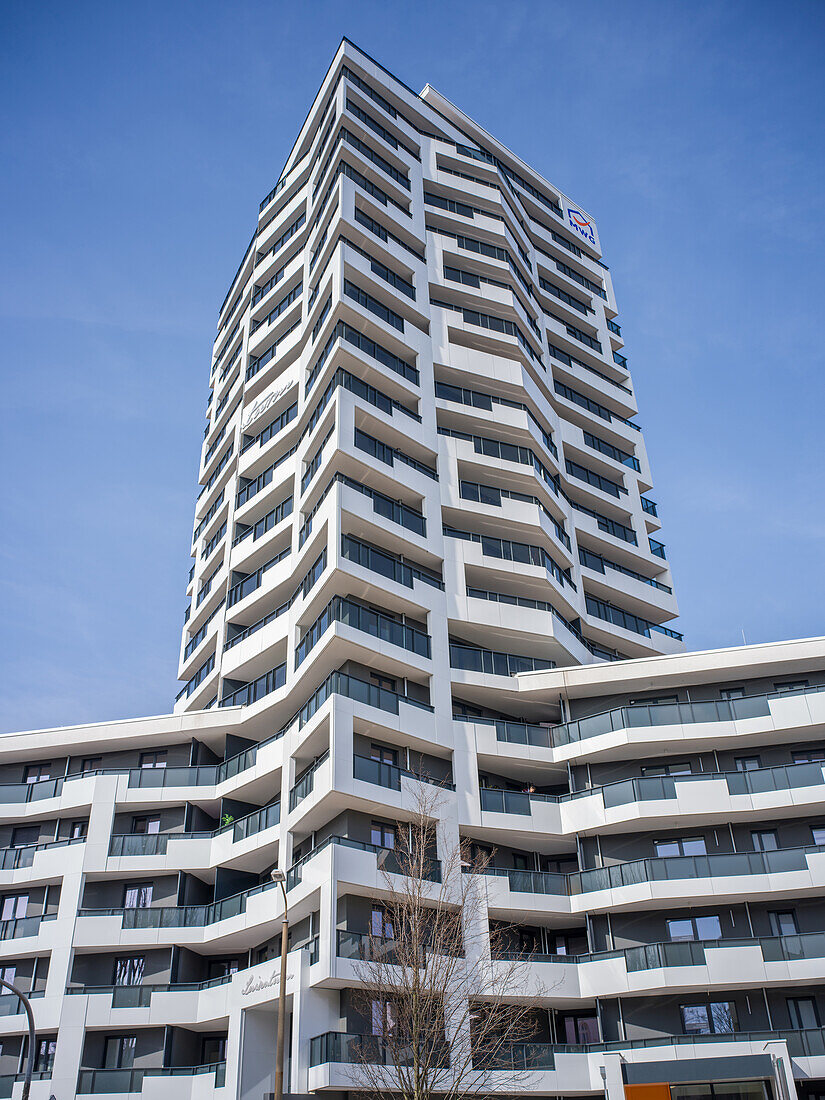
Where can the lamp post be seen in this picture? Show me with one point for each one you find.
(278, 876)
(24, 1000)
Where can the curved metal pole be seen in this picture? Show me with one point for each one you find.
(27, 1081)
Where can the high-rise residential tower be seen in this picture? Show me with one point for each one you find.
(425, 561)
(421, 463)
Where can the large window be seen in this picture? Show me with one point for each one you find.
(155, 759)
(119, 1052)
(44, 1055)
(24, 835)
(783, 923)
(144, 825)
(380, 924)
(581, 1029)
(384, 755)
(681, 846)
(33, 773)
(223, 968)
(213, 1049)
(716, 1018)
(813, 755)
(748, 763)
(129, 970)
(137, 896)
(803, 1012)
(382, 834)
(683, 767)
(14, 906)
(708, 927)
(382, 1017)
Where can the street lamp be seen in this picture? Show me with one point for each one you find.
(24, 1000)
(277, 875)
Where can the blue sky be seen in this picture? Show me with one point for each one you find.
(136, 141)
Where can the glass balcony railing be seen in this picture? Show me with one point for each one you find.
(13, 858)
(522, 1056)
(140, 844)
(152, 844)
(11, 1005)
(354, 1049)
(181, 916)
(30, 792)
(341, 683)
(198, 775)
(532, 882)
(474, 659)
(389, 775)
(306, 783)
(361, 946)
(140, 996)
(359, 617)
(389, 859)
(247, 694)
(809, 1042)
(624, 718)
(7, 1081)
(657, 869)
(23, 926)
(504, 802)
(131, 1080)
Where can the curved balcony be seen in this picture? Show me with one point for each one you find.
(623, 719)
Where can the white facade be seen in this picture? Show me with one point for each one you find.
(423, 537)
(153, 921)
(418, 358)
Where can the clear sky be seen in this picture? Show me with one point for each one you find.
(136, 140)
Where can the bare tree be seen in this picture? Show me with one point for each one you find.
(447, 1006)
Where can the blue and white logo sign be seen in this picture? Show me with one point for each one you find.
(581, 224)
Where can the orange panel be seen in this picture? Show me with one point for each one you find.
(658, 1091)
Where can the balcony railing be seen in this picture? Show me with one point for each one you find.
(389, 859)
(505, 802)
(131, 1080)
(140, 996)
(625, 718)
(656, 956)
(521, 1056)
(364, 947)
(492, 663)
(656, 869)
(389, 775)
(23, 926)
(181, 916)
(152, 844)
(13, 858)
(307, 782)
(359, 617)
(353, 1049)
(805, 1043)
